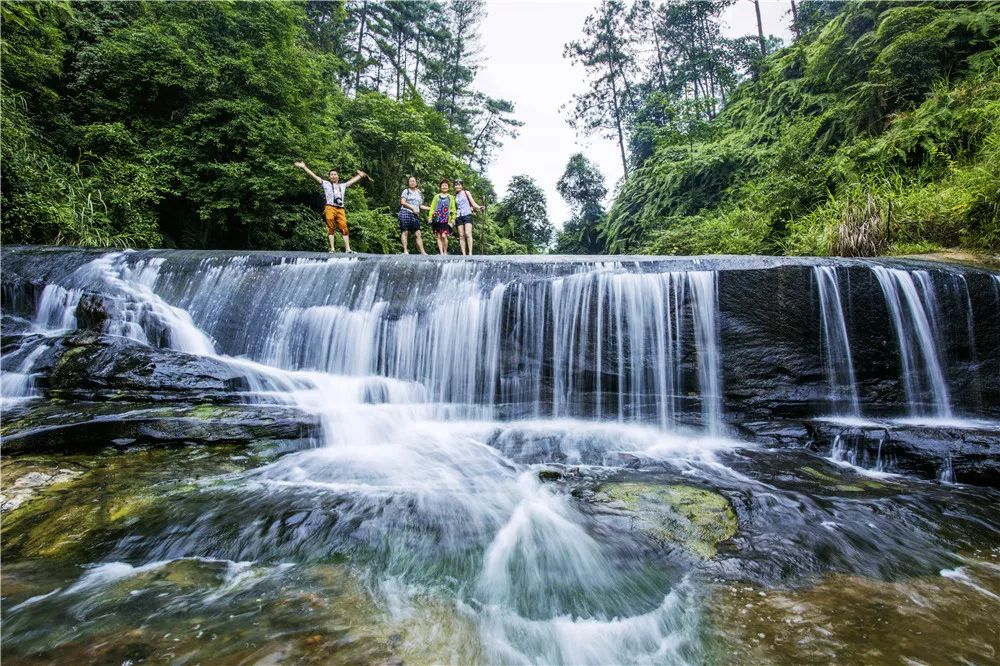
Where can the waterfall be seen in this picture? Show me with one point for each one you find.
(704, 288)
(18, 385)
(849, 448)
(914, 314)
(592, 341)
(836, 346)
(474, 416)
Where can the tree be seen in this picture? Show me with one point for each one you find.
(605, 52)
(522, 214)
(493, 122)
(582, 187)
(175, 123)
(760, 29)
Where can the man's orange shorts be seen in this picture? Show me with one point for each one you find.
(336, 220)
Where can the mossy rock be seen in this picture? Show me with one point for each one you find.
(95, 499)
(859, 486)
(549, 475)
(694, 518)
(820, 476)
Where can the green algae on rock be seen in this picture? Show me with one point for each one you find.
(103, 496)
(694, 518)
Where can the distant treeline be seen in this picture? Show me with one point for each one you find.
(176, 123)
(876, 131)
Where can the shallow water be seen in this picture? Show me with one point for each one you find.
(460, 505)
(464, 554)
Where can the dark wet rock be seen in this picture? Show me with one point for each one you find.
(775, 433)
(772, 341)
(12, 329)
(962, 455)
(91, 313)
(549, 475)
(88, 366)
(90, 426)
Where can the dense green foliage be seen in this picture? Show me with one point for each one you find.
(892, 107)
(176, 123)
(523, 214)
(582, 187)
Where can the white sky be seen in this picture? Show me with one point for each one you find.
(522, 61)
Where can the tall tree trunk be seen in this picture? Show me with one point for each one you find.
(659, 61)
(618, 123)
(711, 83)
(479, 137)
(454, 68)
(795, 20)
(416, 62)
(361, 39)
(760, 29)
(399, 62)
(618, 60)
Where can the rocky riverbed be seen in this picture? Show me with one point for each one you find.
(274, 477)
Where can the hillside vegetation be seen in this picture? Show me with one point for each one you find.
(876, 131)
(146, 123)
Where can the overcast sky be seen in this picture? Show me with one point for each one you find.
(522, 61)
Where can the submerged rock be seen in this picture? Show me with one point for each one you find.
(694, 518)
(79, 502)
(953, 617)
(206, 610)
(24, 481)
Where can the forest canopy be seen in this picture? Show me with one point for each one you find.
(146, 123)
(876, 131)
(175, 124)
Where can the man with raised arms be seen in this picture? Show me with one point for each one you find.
(333, 211)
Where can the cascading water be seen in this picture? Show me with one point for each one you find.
(450, 394)
(914, 317)
(836, 345)
(600, 341)
(406, 380)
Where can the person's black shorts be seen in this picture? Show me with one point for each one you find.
(463, 219)
(408, 220)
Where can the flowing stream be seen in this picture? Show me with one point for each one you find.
(515, 463)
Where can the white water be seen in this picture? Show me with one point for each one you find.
(914, 316)
(439, 398)
(836, 344)
(408, 391)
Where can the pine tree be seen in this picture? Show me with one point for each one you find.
(606, 53)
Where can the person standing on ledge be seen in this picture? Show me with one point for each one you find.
(442, 215)
(465, 206)
(333, 211)
(410, 204)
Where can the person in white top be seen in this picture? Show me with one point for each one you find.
(465, 206)
(411, 202)
(333, 211)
